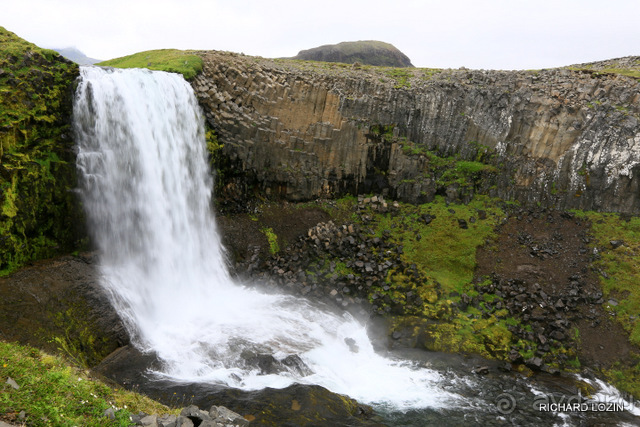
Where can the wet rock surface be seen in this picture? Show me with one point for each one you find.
(538, 265)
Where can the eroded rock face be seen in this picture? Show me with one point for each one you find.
(303, 130)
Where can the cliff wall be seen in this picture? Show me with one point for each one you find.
(39, 214)
(302, 130)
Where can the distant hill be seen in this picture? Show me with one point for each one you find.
(368, 52)
(73, 54)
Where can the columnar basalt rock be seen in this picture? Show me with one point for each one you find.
(300, 130)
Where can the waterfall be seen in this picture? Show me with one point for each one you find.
(146, 189)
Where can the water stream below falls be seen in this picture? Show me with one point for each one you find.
(146, 188)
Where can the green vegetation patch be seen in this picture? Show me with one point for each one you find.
(451, 170)
(617, 242)
(401, 76)
(626, 378)
(52, 392)
(39, 216)
(171, 60)
(442, 249)
(272, 238)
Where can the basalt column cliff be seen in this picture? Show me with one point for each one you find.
(302, 130)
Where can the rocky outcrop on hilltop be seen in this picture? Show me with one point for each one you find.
(368, 52)
(300, 130)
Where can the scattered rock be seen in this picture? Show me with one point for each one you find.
(616, 243)
(191, 416)
(351, 343)
(110, 413)
(12, 383)
(481, 370)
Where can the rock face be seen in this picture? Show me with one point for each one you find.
(303, 130)
(369, 52)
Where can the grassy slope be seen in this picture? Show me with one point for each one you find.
(620, 278)
(170, 60)
(52, 392)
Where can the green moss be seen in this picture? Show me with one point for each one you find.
(52, 392)
(489, 338)
(447, 171)
(444, 251)
(39, 215)
(171, 60)
(214, 148)
(272, 238)
(382, 133)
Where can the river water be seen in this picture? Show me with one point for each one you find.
(146, 188)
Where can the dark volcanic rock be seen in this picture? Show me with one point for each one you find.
(314, 405)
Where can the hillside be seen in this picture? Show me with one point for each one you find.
(75, 55)
(363, 52)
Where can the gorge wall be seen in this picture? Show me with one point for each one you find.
(302, 130)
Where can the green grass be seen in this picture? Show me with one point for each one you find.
(170, 60)
(445, 251)
(52, 392)
(621, 265)
(625, 378)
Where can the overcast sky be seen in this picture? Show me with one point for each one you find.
(489, 34)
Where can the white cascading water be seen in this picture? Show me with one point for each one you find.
(146, 188)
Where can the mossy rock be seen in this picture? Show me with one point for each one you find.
(39, 214)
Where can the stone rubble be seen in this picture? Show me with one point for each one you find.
(191, 416)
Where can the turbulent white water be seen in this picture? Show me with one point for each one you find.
(146, 189)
